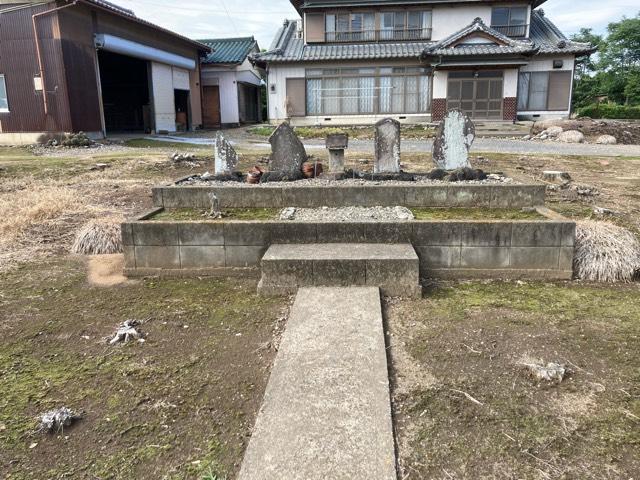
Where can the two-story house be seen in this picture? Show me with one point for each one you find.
(356, 61)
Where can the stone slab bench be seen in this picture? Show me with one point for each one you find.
(326, 411)
(395, 268)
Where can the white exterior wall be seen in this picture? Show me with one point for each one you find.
(447, 20)
(164, 107)
(277, 86)
(227, 78)
(164, 80)
(545, 64)
(510, 83)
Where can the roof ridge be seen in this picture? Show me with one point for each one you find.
(224, 39)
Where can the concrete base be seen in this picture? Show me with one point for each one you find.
(392, 268)
(326, 411)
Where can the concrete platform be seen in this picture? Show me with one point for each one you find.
(326, 411)
(394, 268)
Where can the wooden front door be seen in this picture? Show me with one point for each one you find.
(211, 107)
(479, 95)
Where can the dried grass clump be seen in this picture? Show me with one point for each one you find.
(36, 206)
(99, 237)
(605, 252)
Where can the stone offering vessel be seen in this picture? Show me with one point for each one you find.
(453, 141)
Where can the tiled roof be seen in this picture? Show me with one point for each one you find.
(550, 39)
(229, 50)
(545, 38)
(502, 45)
(126, 13)
(287, 48)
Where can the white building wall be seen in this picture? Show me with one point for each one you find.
(163, 97)
(447, 20)
(227, 78)
(510, 83)
(277, 86)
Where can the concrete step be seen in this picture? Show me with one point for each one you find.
(392, 267)
(326, 410)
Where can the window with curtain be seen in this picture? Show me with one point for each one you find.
(368, 91)
(4, 101)
(533, 91)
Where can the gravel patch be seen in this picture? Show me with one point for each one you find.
(346, 214)
(350, 182)
(60, 152)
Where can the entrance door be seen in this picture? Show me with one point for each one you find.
(211, 107)
(477, 94)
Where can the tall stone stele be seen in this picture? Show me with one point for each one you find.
(287, 151)
(453, 141)
(226, 158)
(387, 146)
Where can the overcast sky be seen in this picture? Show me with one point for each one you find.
(261, 18)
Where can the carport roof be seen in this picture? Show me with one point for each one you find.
(229, 50)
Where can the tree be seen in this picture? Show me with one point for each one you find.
(614, 71)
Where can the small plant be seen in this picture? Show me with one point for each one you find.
(212, 476)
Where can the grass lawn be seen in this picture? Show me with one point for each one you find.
(177, 406)
(470, 337)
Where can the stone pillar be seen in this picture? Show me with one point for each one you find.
(387, 146)
(226, 158)
(453, 141)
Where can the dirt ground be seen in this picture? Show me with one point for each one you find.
(470, 338)
(181, 405)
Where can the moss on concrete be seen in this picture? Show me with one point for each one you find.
(195, 214)
(474, 214)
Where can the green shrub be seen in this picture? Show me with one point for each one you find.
(610, 110)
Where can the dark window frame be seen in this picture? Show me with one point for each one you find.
(511, 29)
(3, 90)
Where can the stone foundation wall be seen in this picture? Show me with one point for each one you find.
(438, 109)
(411, 195)
(510, 109)
(447, 249)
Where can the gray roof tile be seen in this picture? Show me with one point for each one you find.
(229, 50)
(545, 38)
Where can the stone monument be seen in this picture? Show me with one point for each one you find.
(287, 151)
(226, 158)
(387, 146)
(454, 137)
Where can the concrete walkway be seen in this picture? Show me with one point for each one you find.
(326, 412)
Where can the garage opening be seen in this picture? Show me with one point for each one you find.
(125, 93)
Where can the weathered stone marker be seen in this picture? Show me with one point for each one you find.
(336, 144)
(226, 158)
(287, 151)
(387, 146)
(453, 141)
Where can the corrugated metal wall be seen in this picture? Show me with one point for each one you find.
(19, 64)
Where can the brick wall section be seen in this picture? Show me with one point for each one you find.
(438, 109)
(510, 108)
